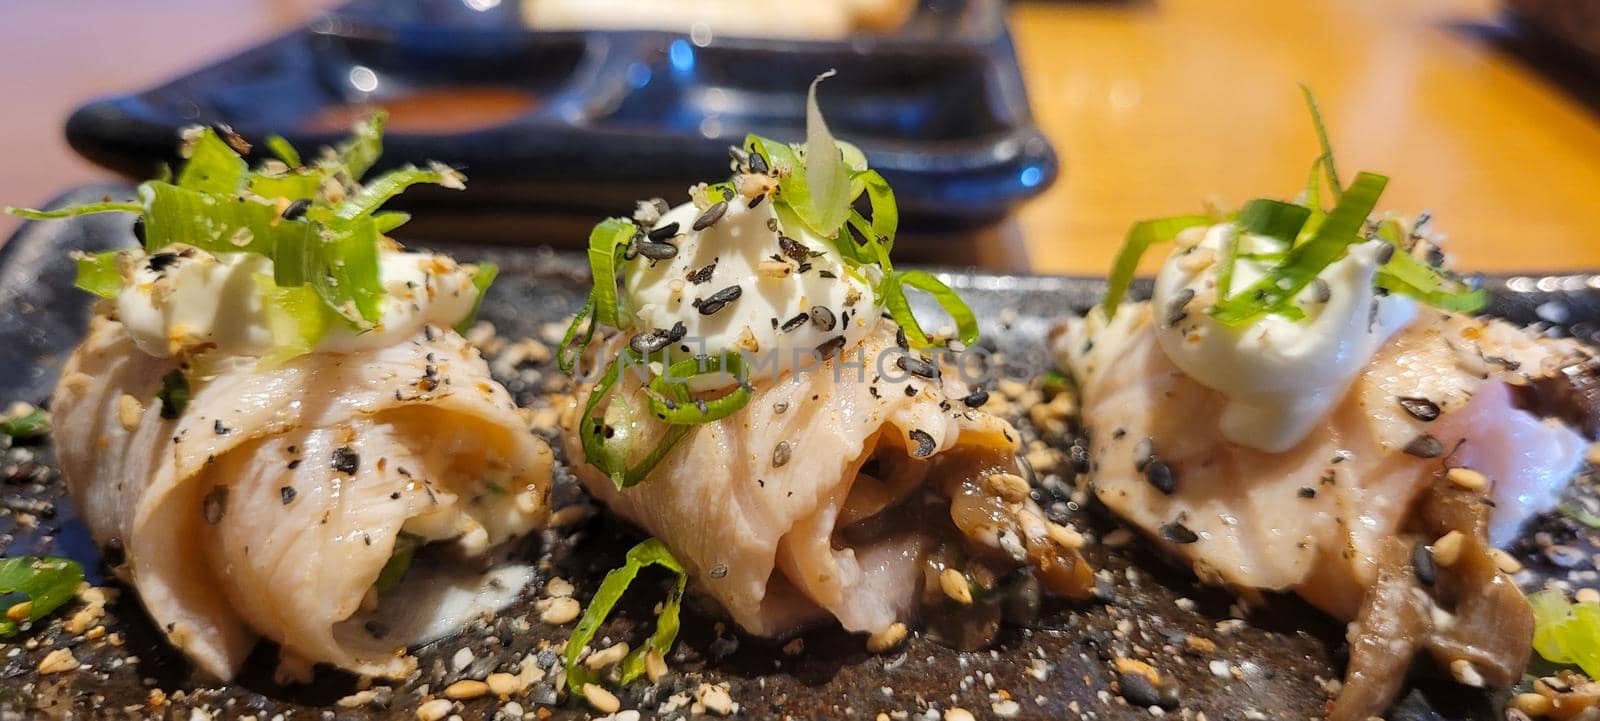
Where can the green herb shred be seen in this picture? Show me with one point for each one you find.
(47, 583)
(650, 552)
(1311, 238)
(318, 222)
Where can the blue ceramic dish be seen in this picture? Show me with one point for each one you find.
(581, 124)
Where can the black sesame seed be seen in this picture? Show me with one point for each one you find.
(823, 318)
(1178, 308)
(1422, 563)
(1421, 409)
(376, 629)
(780, 455)
(827, 274)
(917, 366)
(161, 261)
(796, 322)
(1425, 446)
(720, 299)
(756, 201)
(649, 342)
(976, 399)
(758, 164)
(779, 407)
(1178, 533)
(287, 493)
(900, 339)
(662, 233)
(297, 209)
(1385, 254)
(1307, 492)
(719, 571)
(1321, 291)
(677, 332)
(711, 216)
(138, 229)
(702, 275)
(661, 206)
(792, 248)
(345, 460)
(827, 348)
(294, 464)
(658, 251)
(911, 391)
(925, 443)
(220, 429)
(1161, 475)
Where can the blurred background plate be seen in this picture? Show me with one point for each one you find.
(556, 128)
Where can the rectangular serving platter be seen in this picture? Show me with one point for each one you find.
(937, 105)
(1278, 664)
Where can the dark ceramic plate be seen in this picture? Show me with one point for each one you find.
(582, 124)
(1273, 667)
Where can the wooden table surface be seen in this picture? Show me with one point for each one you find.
(1154, 106)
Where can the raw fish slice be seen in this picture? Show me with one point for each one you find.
(270, 505)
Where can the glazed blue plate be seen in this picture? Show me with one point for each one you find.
(578, 125)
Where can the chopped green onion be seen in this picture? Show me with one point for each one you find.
(1565, 632)
(213, 223)
(650, 552)
(671, 401)
(899, 307)
(1581, 515)
(99, 274)
(105, 206)
(1141, 236)
(827, 178)
(606, 446)
(280, 147)
(567, 355)
(213, 166)
(374, 194)
(483, 274)
(296, 317)
(607, 242)
(1275, 292)
(47, 582)
(1273, 219)
(1322, 139)
(405, 551)
(358, 154)
(174, 394)
(346, 272)
(388, 221)
(32, 424)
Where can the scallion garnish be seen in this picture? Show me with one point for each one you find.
(1141, 236)
(671, 401)
(46, 583)
(1311, 239)
(405, 551)
(650, 552)
(1565, 632)
(483, 275)
(32, 424)
(899, 307)
(1276, 290)
(318, 223)
(99, 273)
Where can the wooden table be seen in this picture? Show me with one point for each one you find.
(1155, 106)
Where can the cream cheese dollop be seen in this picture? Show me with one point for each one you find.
(1280, 377)
(796, 299)
(184, 300)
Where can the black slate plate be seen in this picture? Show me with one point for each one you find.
(938, 106)
(1275, 665)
